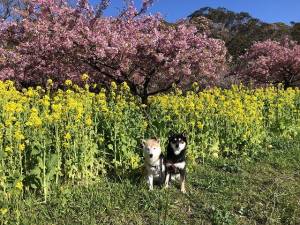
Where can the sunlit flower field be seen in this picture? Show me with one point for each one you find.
(73, 135)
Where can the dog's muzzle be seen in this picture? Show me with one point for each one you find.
(150, 155)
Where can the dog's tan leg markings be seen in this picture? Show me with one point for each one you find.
(182, 184)
(167, 180)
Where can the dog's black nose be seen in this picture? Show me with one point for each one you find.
(150, 155)
(177, 145)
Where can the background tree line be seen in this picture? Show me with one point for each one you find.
(274, 60)
(241, 30)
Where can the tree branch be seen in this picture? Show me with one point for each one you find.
(167, 88)
(97, 68)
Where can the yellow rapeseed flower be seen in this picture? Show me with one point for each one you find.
(88, 121)
(19, 136)
(49, 83)
(113, 85)
(3, 211)
(19, 185)
(21, 147)
(68, 136)
(134, 161)
(200, 125)
(34, 119)
(8, 149)
(30, 93)
(125, 87)
(46, 101)
(85, 77)
(9, 121)
(68, 82)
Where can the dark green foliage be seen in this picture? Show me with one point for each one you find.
(295, 32)
(241, 30)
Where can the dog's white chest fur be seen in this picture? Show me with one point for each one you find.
(156, 169)
(155, 172)
(179, 165)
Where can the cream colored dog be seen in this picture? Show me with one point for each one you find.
(154, 161)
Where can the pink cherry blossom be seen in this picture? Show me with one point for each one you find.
(54, 40)
(271, 62)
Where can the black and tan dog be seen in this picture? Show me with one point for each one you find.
(176, 159)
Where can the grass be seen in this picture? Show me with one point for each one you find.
(223, 191)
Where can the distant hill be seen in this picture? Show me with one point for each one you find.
(240, 30)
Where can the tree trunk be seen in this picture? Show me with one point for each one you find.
(144, 99)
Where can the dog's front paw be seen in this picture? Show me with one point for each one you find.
(166, 185)
(183, 190)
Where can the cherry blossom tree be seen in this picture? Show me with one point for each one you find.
(271, 62)
(54, 40)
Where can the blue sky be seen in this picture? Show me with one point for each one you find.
(266, 10)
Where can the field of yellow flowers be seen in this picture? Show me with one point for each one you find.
(51, 137)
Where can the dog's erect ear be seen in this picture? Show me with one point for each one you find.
(183, 134)
(156, 139)
(143, 142)
(171, 134)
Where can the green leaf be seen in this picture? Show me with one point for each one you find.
(36, 171)
(32, 185)
(52, 162)
(110, 146)
(35, 151)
